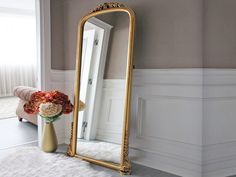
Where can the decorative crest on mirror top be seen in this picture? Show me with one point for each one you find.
(108, 5)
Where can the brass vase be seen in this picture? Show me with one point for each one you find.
(49, 141)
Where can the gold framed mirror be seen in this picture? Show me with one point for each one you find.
(98, 48)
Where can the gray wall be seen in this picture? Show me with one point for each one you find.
(57, 34)
(168, 32)
(116, 61)
(220, 34)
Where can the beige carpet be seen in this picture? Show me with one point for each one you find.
(8, 107)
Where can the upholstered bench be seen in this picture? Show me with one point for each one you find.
(24, 94)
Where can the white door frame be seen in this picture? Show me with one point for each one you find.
(87, 58)
(96, 91)
(43, 33)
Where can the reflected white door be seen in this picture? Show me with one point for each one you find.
(87, 52)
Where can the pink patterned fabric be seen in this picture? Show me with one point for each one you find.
(24, 94)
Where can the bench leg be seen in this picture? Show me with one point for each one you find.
(20, 119)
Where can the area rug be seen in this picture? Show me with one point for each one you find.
(32, 162)
(8, 107)
(99, 150)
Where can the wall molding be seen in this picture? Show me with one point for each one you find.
(219, 77)
(144, 77)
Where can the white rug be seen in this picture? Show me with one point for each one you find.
(8, 107)
(99, 150)
(32, 162)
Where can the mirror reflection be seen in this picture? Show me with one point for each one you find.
(103, 72)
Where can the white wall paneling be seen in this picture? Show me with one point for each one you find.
(219, 140)
(172, 128)
(111, 111)
(166, 118)
(166, 127)
(158, 91)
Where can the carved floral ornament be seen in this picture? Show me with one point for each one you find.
(108, 5)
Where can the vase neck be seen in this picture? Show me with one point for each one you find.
(48, 122)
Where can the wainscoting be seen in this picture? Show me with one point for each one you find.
(172, 128)
(166, 128)
(111, 111)
(219, 140)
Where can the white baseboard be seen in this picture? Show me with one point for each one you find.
(165, 162)
(219, 159)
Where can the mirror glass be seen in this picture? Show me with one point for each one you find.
(102, 86)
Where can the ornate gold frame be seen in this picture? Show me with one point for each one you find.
(124, 166)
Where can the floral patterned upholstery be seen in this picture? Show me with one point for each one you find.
(24, 94)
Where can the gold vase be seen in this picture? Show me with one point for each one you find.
(49, 142)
